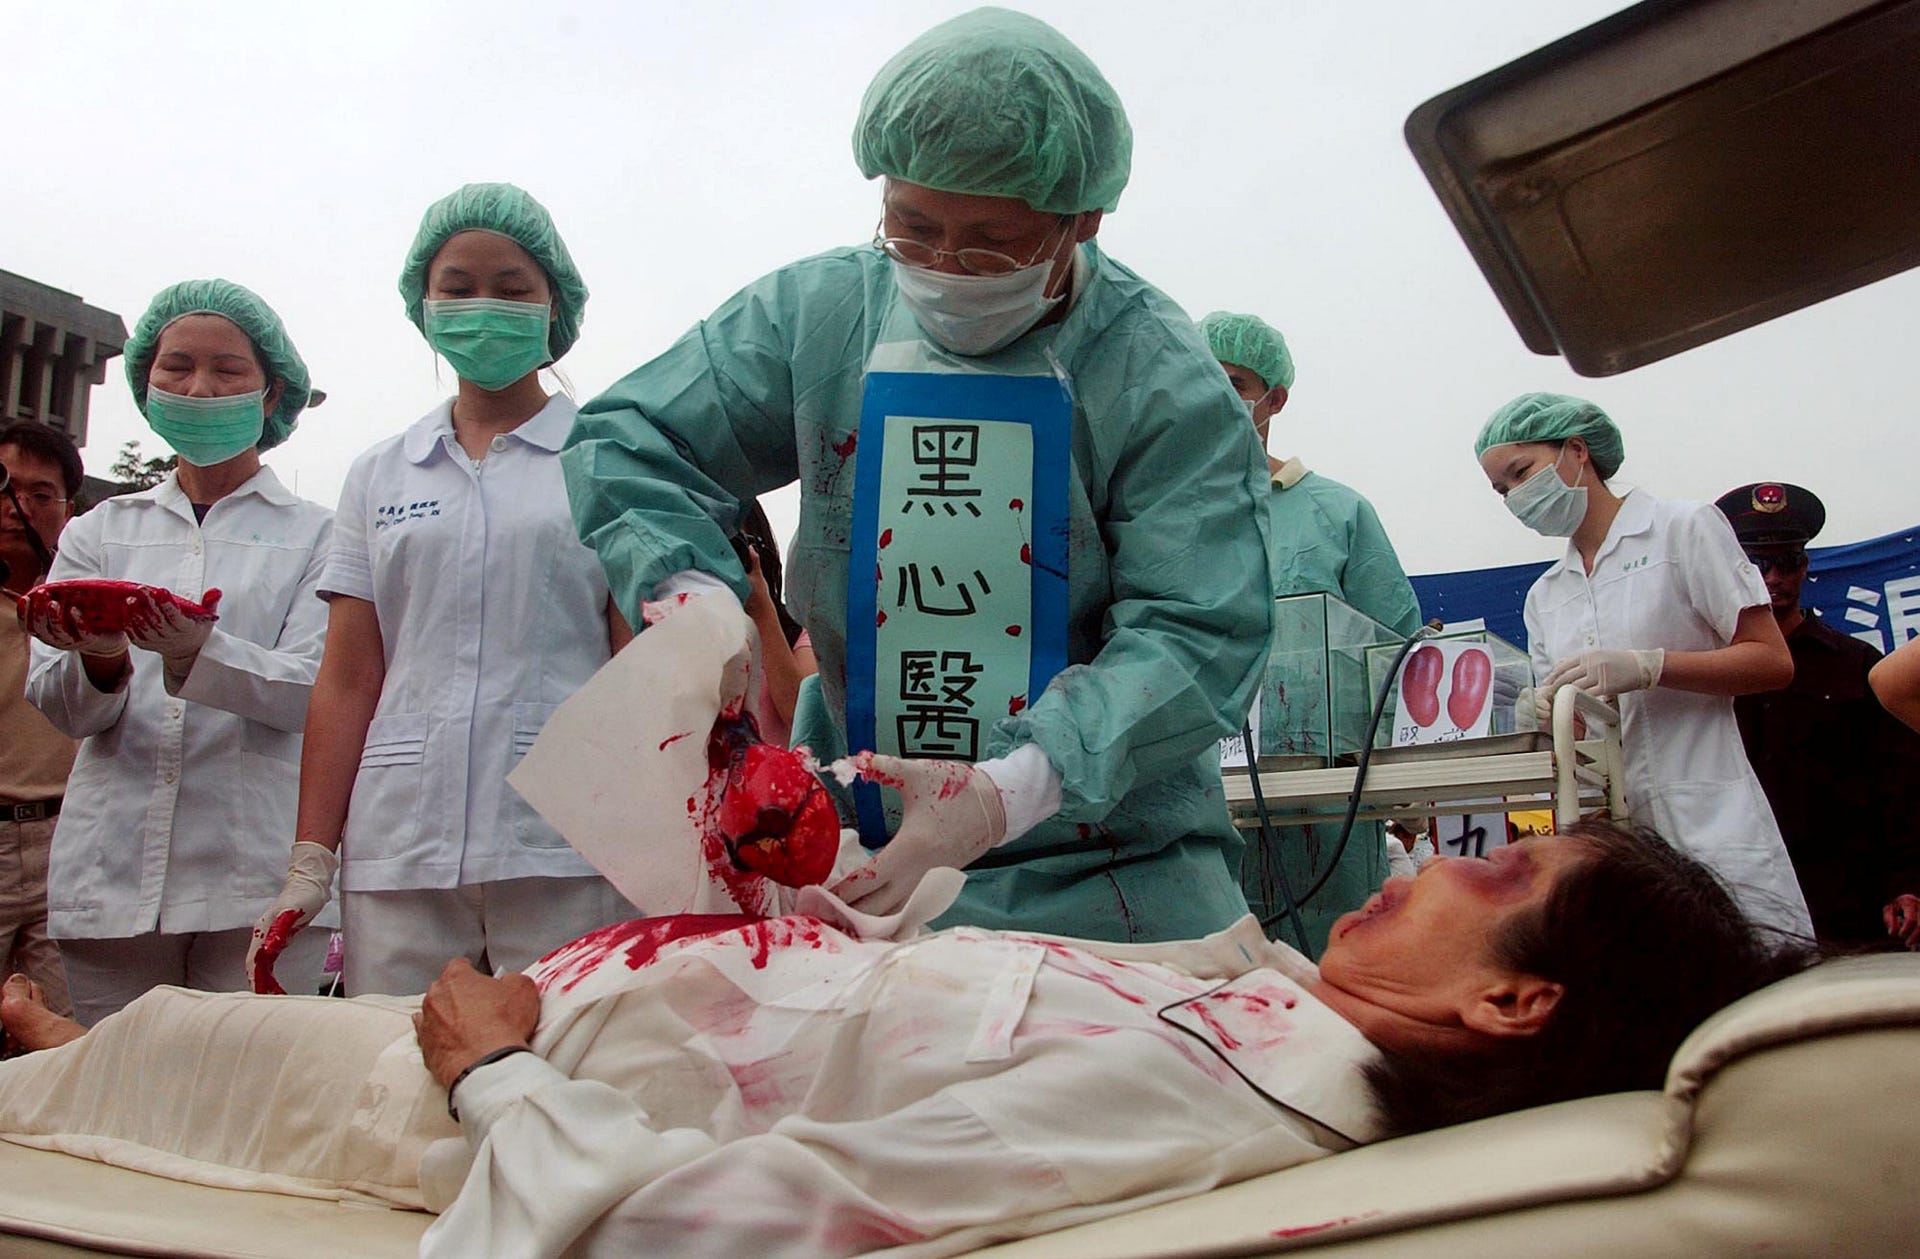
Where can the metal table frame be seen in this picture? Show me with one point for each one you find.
(1575, 774)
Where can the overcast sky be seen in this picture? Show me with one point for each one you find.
(685, 149)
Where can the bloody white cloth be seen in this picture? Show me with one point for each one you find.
(785, 1089)
(780, 1089)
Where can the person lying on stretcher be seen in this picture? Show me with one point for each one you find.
(726, 1085)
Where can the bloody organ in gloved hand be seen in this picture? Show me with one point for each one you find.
(775, 817)
(105, 605)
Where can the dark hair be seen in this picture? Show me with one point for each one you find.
(1645, 943)
(756, 531)
(49, 443)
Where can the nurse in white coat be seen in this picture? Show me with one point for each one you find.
(462, 611)
(190, 751)
(1653, 606)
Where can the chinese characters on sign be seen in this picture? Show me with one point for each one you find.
(954, 613)
(1901, 609)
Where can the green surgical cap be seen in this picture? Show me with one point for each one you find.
(242, 308)
(1252, 343)
(506, 211)
(997, 104)
(1554, 417)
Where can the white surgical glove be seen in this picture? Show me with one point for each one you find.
(65, 629)
(951, 813)
(308, 888)
(169, 633)
(1606, 673)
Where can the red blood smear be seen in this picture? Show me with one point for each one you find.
(845, 448)
(767, 934)
(1016, 504)
(879, 619)
(279, 932)
(1026, 553)
(1013, 631)
(673, 738)
(1014, 704)
(1307, 1229)
(886, 539)
(642, 938)
(1227, 1039)
(864, 764)
(1080, 965)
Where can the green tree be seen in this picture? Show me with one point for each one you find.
(134, 473)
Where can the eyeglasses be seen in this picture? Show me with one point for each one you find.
(973, 261)
(1783, 563)
(39, 500)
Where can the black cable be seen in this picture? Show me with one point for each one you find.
(1272, 844)
(1359, 780)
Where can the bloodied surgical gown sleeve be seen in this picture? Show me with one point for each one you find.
(658, 462)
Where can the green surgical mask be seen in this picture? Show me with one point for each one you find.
(489, 341)
(206, 431)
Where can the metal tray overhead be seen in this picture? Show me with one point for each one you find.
(1685, 169)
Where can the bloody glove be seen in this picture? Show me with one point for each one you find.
(308, 888)
(951, 813)
(164, 627)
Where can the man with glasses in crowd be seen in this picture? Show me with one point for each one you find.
(42, 474)
(1031, 553)
(1842, 775)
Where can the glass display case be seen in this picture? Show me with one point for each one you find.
(1512, 672)
(1315, 700)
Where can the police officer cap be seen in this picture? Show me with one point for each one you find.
(1770, 513)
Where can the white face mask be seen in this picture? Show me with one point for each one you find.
(1547, 505)
(975, 314)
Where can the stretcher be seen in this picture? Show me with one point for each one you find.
(1785, 1127)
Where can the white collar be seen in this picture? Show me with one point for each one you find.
(546, 428)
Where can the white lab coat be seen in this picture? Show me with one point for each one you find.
(180, 807)
(491, 613)
(785, 1090)
(1670, 574)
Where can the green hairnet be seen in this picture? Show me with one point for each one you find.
(1553, 417)
(1252, 343)
(511, 212)
(997, 104)
(244, 309)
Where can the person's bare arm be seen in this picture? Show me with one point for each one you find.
(619, 633)
(1896, 680)
(1756, 660)
(784, 670)
(345, 694)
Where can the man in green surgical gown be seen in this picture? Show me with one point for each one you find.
(1091, 806)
